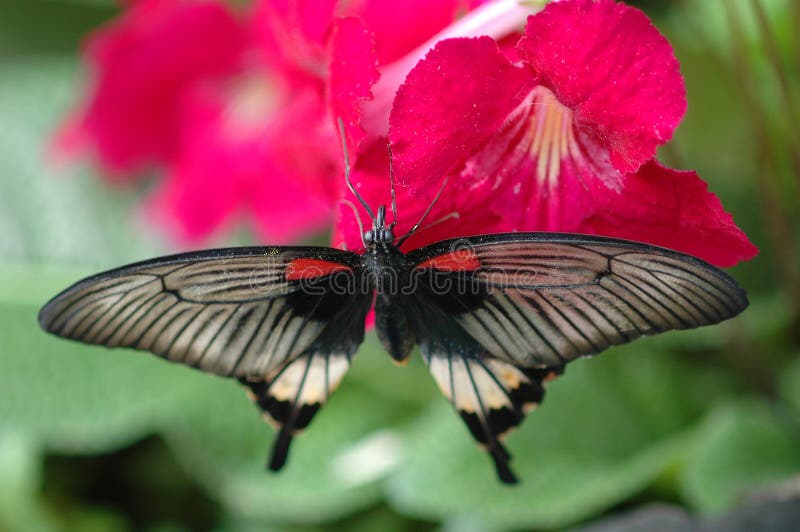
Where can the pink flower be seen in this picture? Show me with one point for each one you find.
(229, 105)
(141, 63)
(558, 134)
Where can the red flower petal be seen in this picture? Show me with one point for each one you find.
(292, 36)
(234, 164)
(395, 36)
(400, 27)
(608, 63)
(571, 186)
(452, 101)
(353, 71)
(673, 209)
(142, 62)
(551, 148)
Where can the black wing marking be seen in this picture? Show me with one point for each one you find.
(538, 299)
(491, 395)
(291, 394)
(235, 312)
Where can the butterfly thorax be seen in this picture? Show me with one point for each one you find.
(384, 263)
(386, 266)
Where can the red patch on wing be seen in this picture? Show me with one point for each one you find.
(460, 260)
(303, 268)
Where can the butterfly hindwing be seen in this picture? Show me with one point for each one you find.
(491, 396)
(497, 316)
(291, 394)
(284, 321)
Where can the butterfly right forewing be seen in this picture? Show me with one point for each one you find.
(539, 299)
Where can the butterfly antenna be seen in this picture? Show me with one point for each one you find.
(357, 216)
(450, 216)
(347, 171)
(391, 185)
(425, 214)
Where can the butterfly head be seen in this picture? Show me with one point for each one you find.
(380, 233)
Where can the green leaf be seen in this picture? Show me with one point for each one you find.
(77, 398)
(333, 466)
(49, 214)
(711, 19)
(20, 507)
(606, 430)
(742, 447)
(46, 27)
(790, 385)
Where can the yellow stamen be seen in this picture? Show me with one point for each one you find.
(553, 135)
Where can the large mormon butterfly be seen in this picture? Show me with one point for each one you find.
(495, 316)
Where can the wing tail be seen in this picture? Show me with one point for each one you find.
(280, 450)
(501, 458)
(291, 395)
(492, 397)
(289, 410)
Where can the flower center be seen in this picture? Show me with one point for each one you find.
(553, 137)
(251, 102)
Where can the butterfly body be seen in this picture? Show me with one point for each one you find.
(390, 278)
(495, 317)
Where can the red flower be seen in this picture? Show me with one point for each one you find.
(556, 135)
(364, 81)
(231, 106)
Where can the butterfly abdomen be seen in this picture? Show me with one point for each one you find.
(393, 328)
(390, 277)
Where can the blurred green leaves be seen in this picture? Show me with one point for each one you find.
(677, 416)
(743, 447)
(48, 214)
(607, 429)
(49, 26)
(20, 464)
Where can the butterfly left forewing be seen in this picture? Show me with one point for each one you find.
(284, 321)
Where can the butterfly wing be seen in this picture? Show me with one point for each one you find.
(284, 321)
(515, 308)
(491, 396)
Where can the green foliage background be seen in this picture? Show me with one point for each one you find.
(113, 440)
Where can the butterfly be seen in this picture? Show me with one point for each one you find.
(495, 316)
